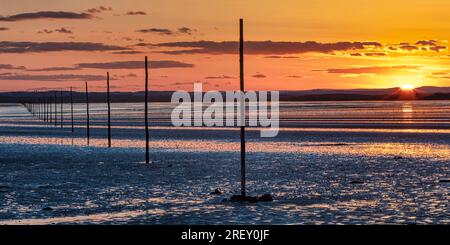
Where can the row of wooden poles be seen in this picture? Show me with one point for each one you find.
(42, 109)
(46, 109)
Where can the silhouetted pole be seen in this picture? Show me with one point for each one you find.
(87, 113)
(242, 105)
(41, 101)
(50, 111)
(46, 109)
(71, 107)
(43, 109)
(36, 103)
(56, 109)
(147, 154)
(62, 110)
(109, 110)
(32, 106)
(40, 107)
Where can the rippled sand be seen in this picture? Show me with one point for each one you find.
(319, 175)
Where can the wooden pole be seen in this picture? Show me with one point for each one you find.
(56, 109)
(41, 102)
(109, 110)
(50, 116)
(242, 105)
(87, 113)
(43, 109)
(71, 107)
(38, 101)
(147, 154)
(38, 106)
(46, 109)
(62, 110)
(32, 105)
(49, 109)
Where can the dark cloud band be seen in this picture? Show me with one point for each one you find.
(370, 69)
(163, 31)
(136, 13)
(29, 47)
(263, 47)
(46, 15)
(51, 78)
(136, 65)
(157, 64)
(11, 67)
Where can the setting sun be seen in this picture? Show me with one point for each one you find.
(407, 87)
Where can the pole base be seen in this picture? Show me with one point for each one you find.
(251, 199)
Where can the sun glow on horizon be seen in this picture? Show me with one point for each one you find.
(407, 87)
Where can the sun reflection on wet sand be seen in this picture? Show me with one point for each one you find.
(414, 150)
(407, 112)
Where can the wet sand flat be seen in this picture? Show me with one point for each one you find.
(344, 172)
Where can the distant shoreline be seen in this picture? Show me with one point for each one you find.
(393, 94)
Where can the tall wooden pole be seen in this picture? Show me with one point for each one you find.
(50, 111)
(242, 105)
(71, 107)
(109, 110)
(41, 101)
(46, 109)
(56, 109)
(62, 110)
(43, 109)
(147, 154)
(33, 104)
(87, 114)
(38, 112)
(38, 106)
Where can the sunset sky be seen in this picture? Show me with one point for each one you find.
(292, 45)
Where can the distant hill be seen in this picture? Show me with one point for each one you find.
(421, 93)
